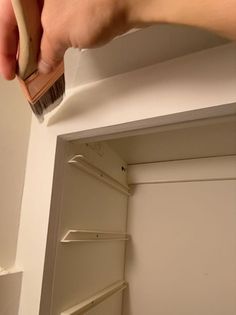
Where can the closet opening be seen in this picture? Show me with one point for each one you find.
(144, 222)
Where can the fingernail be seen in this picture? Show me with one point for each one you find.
(44, 67)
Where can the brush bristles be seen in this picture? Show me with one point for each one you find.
(44, 91)
(50, 98)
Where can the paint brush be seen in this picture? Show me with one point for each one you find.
(43, 91)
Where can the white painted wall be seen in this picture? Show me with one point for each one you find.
(14, 134)
(181, 259)
(136, 50)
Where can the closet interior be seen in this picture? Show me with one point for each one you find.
(144, 223)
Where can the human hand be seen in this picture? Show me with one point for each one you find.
(79, 24)
(8, 40)
(90, 23)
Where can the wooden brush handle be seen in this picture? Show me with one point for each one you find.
(29, 23)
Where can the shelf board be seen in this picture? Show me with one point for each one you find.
(96, 299)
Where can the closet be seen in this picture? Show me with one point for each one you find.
(129, 203)
(145, 224)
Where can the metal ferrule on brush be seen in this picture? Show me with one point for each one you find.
(42, 90)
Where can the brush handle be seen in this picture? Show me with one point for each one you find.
(30, 31)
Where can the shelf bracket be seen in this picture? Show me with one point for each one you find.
(83, 164)
(73, 236)
(96, 299)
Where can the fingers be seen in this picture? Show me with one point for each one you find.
(52, 53)
(8, 40)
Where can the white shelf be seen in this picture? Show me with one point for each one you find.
(96, 299)
(83, 164)
(73, 236)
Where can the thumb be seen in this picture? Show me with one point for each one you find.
(51, 54)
